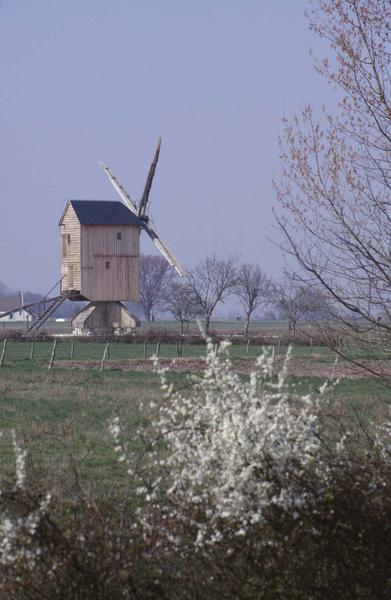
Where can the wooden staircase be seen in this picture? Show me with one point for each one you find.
(54, 304)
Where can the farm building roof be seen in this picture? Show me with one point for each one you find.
(10, 303)
(104, 212)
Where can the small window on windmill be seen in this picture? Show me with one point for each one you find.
(107, 264)
(119, 236)
(68, 239)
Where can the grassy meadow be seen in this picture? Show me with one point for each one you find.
(62, 418)
(18, 353)
(62, 415)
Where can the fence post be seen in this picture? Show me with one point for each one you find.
(72, 349)
(105, 353)
(158, 348)
(145, 348)
(247, 346)
(32, 345)
(51, 361)
(2, 358)
(279, 346)
(177, 348)
(180, 347)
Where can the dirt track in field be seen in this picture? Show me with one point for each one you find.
(301, 367)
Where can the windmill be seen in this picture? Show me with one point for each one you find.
(100, 258)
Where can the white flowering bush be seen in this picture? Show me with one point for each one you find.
(231, 446)
(17, 530)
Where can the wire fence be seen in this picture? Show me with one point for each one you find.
(41, 353)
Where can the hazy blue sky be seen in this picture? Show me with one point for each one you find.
(89, 80)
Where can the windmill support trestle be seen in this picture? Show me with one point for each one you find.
(104, 318)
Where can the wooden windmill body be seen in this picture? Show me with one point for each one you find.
(100, 251)
(100, 262)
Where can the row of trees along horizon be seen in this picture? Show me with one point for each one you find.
(213, 281)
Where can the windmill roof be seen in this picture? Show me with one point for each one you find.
(104, 212)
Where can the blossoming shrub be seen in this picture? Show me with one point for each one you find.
(233, 447)
(68, 544)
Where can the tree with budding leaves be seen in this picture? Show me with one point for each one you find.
(336, 183)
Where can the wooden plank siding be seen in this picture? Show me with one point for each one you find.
(110, 266)
(70, 250)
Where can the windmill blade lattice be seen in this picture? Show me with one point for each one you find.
(162, 247)
(141, 212)
(120, 189)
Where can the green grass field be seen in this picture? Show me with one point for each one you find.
(62, 415)
(18, 353)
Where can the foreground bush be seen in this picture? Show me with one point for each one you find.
(243, 489)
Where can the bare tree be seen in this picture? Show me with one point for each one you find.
(335, 191)
(252, 289)
(296, 301)
(212, 281)
(179, 299)
(155, 275)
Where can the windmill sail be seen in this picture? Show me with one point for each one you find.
(144, 200)
(168, 255)
(142, 210)
(120, 189)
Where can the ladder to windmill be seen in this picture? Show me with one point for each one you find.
(54, 304)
